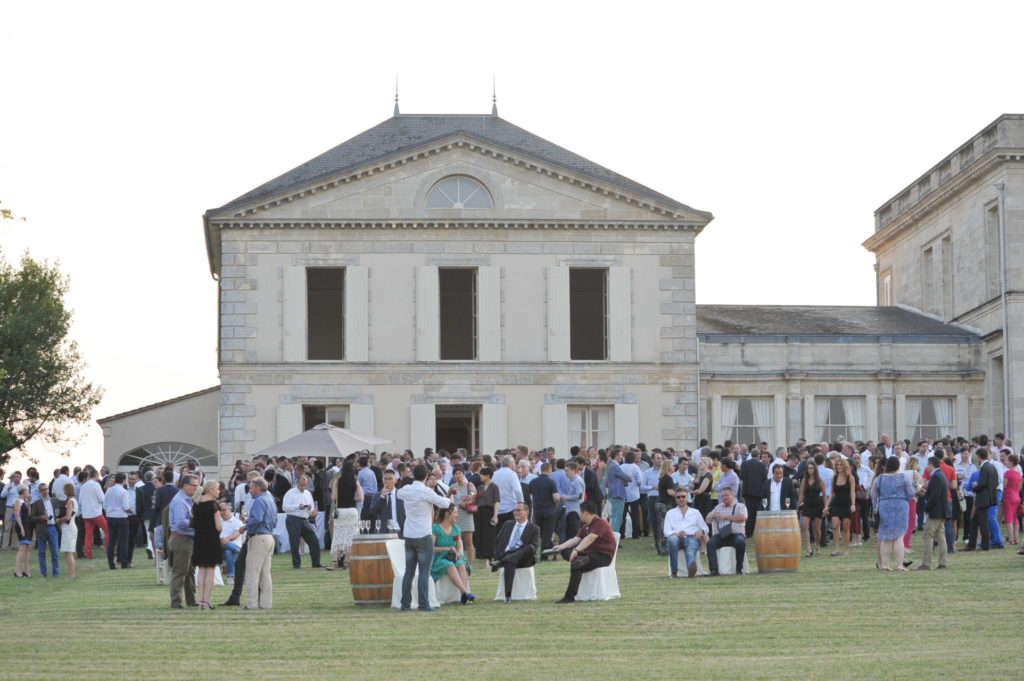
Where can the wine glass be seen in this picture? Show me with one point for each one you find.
(764, 503)
(785, 503)
(392, 525)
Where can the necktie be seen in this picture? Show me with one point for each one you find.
(514, 544)
(391, 509)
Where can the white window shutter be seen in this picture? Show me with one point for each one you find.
(289, 421)
(428, 312)
(294, 341)
(627, 424)
(357, 314)
(558, 314)
(422, 427)
(488, 314)
(360, 418)
(620, 327)
(555, 426)
(494, 429)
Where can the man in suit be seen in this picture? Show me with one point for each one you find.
(387, 506)
(515, 546)
(754, 478)
(778, 491)
(984, 496)
(591, 484)
(937, 510)
(44, 521)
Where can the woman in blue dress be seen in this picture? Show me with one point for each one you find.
(892, 495)
(449, 558)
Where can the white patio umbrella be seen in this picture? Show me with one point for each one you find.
(324, 440)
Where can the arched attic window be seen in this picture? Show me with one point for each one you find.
(162, 453)
(459, 191)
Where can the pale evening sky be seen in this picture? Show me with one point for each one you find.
(791, 122)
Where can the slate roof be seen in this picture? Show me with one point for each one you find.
(407, 131)
(148, 407)
(815, 320)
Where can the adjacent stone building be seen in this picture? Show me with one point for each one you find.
(454, 281)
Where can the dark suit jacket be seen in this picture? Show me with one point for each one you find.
(987, 486)
(37, 515)
(592, 485)
(788, 491)
(936, 496)
(144, 501)
(754, 476)
(531, 537)
(279, 489)
(379, 511)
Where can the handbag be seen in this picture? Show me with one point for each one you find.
(725, 529)
(963, 502)
(471, 508)
(860, 493)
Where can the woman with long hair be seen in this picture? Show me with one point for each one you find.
(913, 476)
(666, 499)
(700, 488)
(487, 498)
(69, 530)
(1011, 497)
(891, 495)
(346, 493)
(463, 494)
(812, 504)
(206, 552)
(448, 552)
(23, 530)
(841, 506)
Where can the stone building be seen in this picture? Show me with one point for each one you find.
(451, 281)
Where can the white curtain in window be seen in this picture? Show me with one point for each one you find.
(944, 415)
(854, 409)
(821, 406)
(913, 416)
(762, 408)
(730, 412)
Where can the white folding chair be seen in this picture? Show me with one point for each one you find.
(524, 585)
(396, 553)
(601, 584)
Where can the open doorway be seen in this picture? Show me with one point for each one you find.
(458, 426)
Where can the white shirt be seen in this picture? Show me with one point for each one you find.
(675, 521)
(229, 527)
(776, 462)
(57, 489)
(419, 501)
(775, 495)
(1000, 469)
(11, 492)
(509, 490)
(92, 499)
(48, 505)
(520, 528)
(865, 474)
(116, 502)
(293, 498)
(826, 475)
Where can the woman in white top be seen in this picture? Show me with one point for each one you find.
(69, 530)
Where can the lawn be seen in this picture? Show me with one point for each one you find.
(837, 618)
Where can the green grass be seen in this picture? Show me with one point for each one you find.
(837, 618)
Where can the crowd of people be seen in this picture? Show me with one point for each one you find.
(517, 507)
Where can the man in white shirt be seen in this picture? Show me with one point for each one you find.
(232, 533)
(91, 500)
(510, 492)
(243, 499)
(885, 447)
(118, 507)
(10, 494)
(300, 509)
(684, 528)
(419, 500)
(781, 492)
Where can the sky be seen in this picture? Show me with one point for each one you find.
(121, 123)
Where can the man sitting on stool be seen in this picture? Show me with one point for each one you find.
(516, 546)
(683, 529)
(593, 547)
(732, 518)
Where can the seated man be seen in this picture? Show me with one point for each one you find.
(232, 535)
(684, 527)
(593, 547)
(515, 546)
(732, 518)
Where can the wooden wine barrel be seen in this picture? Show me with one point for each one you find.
(777, 541)
(370, 570)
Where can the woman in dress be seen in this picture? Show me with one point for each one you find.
(891, 496)
(913, 475)
(1011, 497)
(812, 503)
(448, 541)
(23, 530)
(206, 551)
(487, 498)
(666, 499)
(463, 494)
(346, 493)
(69, 530)
(841, 506)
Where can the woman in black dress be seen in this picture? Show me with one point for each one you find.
(487, 502)
(841, 506)
(812, 505)
(206, 550)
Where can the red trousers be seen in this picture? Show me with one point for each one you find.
(91, 524)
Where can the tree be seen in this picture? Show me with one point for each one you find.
(44, 390)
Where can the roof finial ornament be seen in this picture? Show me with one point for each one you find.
(396, 94)
(494, 96)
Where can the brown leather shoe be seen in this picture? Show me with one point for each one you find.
(923, 567)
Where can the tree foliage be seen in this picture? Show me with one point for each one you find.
(44, 390)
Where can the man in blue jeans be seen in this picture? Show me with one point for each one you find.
(684, 527)
(45, 523)
(419, 500)
(617, 481)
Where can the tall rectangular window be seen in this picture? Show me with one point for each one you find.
(886, 292)
(747, 419)
(590, 425)
(315, 414)
(929, 417)
(588, 313)
(325, 312)
(457, 289)
(836, 417)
